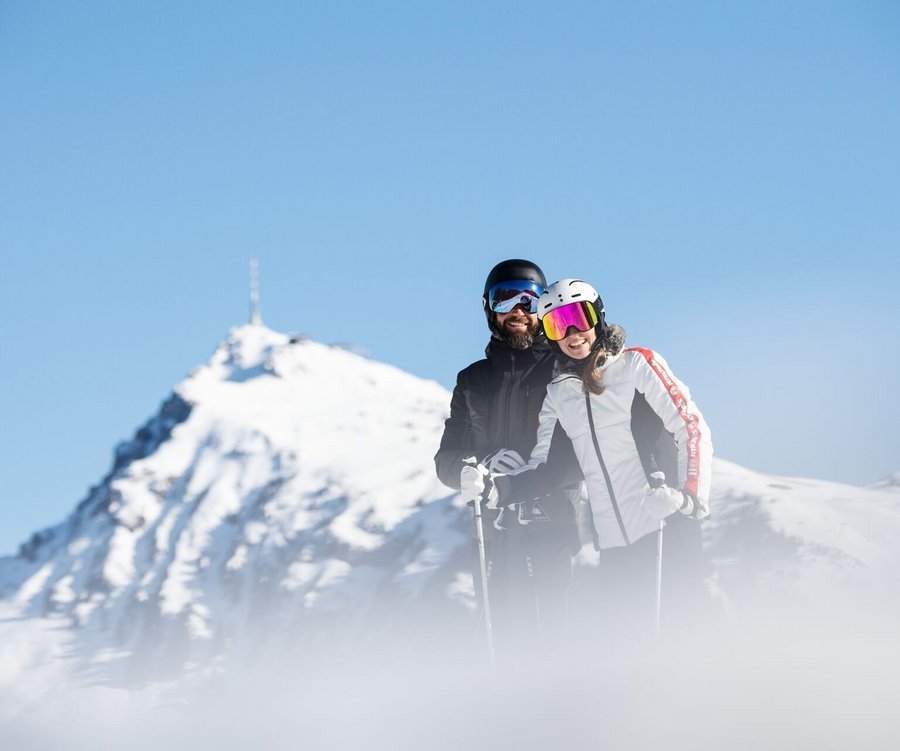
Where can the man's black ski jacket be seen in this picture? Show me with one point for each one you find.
(495, 405)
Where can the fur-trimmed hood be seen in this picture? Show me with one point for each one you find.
(612, 341)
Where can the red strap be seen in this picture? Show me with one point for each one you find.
(691, 422)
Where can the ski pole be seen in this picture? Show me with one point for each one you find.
(482, 565)
(659, 548)
(658, 479)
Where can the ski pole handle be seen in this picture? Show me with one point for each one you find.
(657, 480)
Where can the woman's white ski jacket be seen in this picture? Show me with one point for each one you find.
(599, 426)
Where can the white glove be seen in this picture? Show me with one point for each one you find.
(662, 501)
(471, 484)
(504, 462)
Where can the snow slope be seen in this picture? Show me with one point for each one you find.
(827, 549)
(286, 489)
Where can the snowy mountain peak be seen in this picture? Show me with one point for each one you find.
(244, 353)
(281, 471)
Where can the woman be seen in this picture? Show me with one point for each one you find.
(645, 452)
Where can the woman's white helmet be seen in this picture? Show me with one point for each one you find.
(565, 292)
(568, 291)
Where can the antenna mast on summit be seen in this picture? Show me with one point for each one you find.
(255, 317)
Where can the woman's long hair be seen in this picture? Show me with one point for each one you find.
(591, 375)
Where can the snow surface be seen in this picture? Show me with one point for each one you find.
(286, 491)
(825, 544)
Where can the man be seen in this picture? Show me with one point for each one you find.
(494, 418)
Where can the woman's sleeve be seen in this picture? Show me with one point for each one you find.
(671, 400)
(553, 464)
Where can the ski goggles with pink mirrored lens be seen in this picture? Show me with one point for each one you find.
(505, 296)
(556, 323)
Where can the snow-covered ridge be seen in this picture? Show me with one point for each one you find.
(283, 474)
(821, 545)
(286, 487)
(891, 482)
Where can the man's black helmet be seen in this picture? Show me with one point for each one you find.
(513, 270)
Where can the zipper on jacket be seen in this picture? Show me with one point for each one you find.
(511, 422)
(609, 487)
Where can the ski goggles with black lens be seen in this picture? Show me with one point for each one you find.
(581, 315)
(504, 296)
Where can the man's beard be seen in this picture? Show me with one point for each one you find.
(518, 339)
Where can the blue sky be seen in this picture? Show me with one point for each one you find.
(727, 175)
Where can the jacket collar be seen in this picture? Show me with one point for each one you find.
(498, 349)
